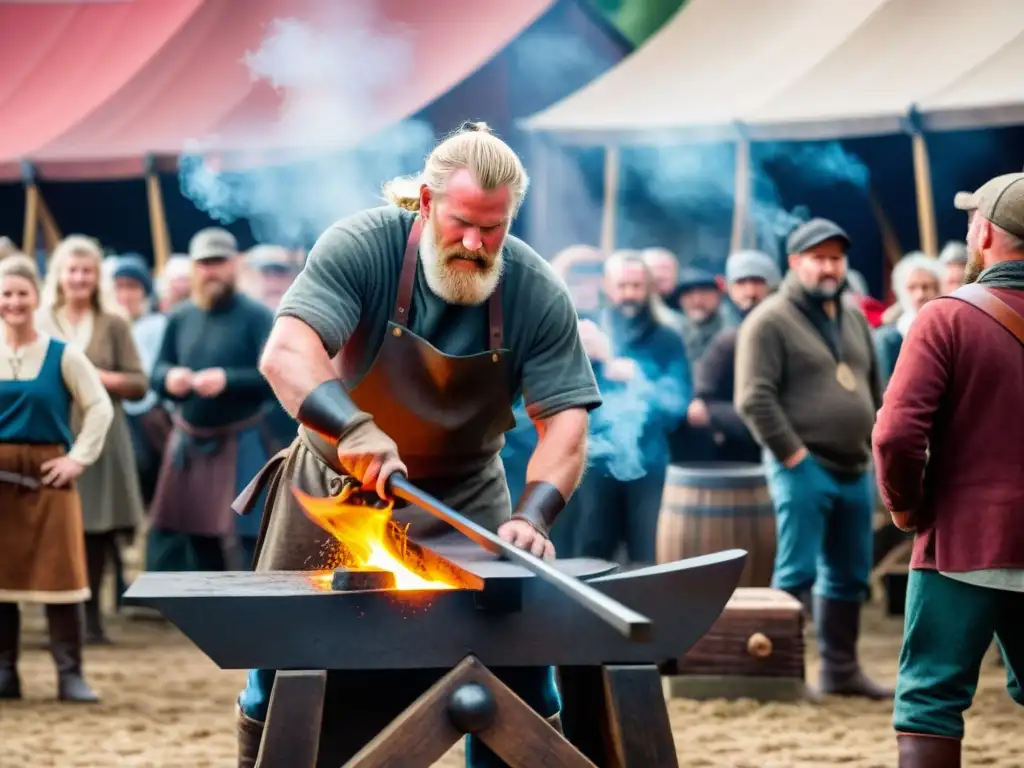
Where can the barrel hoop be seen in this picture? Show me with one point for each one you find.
(679, 495)
(716, 476)
(736, 510)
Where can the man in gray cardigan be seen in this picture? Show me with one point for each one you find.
(807, 386)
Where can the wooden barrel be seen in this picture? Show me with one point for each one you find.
(714, 506)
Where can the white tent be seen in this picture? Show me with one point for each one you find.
(749, 70)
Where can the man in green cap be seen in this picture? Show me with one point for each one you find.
(949, 447)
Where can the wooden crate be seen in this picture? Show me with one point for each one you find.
(755, 650)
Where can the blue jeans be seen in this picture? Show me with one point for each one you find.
(824, 530)
(534, 685)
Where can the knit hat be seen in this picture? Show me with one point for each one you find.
(744, 265)
(133, 267)
(815, 232)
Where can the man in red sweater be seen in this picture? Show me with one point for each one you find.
(949, 451)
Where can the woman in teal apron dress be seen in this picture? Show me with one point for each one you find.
(42, 542)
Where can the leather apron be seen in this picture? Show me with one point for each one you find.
(446, 413)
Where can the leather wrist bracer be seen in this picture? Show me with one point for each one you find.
(539, 505)
(329, 411)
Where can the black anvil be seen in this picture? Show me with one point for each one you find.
(607, 632)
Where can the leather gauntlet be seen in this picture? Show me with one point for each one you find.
(539, 505)
(330, 412)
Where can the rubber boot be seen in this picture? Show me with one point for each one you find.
(250, 734)
(96, 547)
(925, 751)
(65, 623)
(838, 624)
(10, 634)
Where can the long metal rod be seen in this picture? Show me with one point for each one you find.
(626, 621)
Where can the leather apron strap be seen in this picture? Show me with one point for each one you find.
(979, 296)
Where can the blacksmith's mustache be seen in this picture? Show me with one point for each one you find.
(479, 257)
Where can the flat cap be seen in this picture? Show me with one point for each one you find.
(1000, 200)
(692, 278)
(212, 243)
(815, 232)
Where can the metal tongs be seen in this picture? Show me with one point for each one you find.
(635, 626)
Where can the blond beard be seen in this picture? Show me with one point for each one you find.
(975, 266)
(456, 286)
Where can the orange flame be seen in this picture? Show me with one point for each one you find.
(363, 532)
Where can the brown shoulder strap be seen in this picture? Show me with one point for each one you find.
(407, 277)
(982, 298)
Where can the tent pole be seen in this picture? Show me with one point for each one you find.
(611, 197)
(925, 196)
(31, 228)
(890, 242)
(539, 194)
(741, 197)
(157, 217)
(51, 232)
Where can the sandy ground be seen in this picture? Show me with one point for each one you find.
(165, 705)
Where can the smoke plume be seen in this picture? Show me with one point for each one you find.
(330, 74)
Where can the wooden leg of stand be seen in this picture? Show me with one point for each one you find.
(584, 713)
(425, 731)
(641, 734)
(291, 734)
(617, 717)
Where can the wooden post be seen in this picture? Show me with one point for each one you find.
(157, 217)
(890, 243)
(611, 198)
(540, 156)
(741, 197)
(31, 226)
(925, 196)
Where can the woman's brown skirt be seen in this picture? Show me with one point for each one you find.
(42, 545)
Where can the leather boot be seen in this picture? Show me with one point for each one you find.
(10, 633)
(925, 751)
(250, 734)
(65, 623)
(838, 624)
(96, 548)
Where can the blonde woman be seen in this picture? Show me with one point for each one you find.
(79, 308)
(42, 557)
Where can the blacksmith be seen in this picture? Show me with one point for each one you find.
(401, 347)
(949, 447)
(751, 277)
(807, 386)
(208, 367)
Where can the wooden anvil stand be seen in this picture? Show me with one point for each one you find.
(396, 707)
(615, 716)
